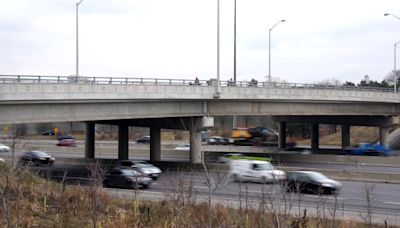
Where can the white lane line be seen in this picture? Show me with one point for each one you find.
(392, 203)
(324, 197)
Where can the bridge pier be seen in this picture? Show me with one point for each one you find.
(155, 144)
(345, 136)
(195, 147)
(89, 139)
(123, 142)
(383, 136)
(282, 135)
(314, 136)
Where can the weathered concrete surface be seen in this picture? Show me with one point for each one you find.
(37, 103)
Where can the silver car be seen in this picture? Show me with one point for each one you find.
(142, 166)
(4, 148)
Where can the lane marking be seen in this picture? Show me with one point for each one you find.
(392, 203)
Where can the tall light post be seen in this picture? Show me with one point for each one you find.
(217, 94)
(269, 50)
(234, 44)
(395, 45)
(394, 66)
(77, 39)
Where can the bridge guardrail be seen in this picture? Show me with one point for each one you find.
(7, 79)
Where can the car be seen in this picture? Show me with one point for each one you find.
(2, 160)
(142, 166)
(69, 136)
(126, 178)
(368, 149)
(143, 140)
(36, 157)
(66, 142)
(49, 132)
(219, 140)
(255, 171)
(184, 147)
(311, 182)
(4, 148)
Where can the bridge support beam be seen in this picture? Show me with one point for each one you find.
(195, 147)
(314, 136)
(89, 140)
(282, 135)
(383, 136)
(345, 136)
(155, 144)
(123, 142)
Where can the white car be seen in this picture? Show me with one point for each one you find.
(255, 170)
(4, 148)
(185, 147)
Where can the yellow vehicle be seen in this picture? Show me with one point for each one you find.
(254, 136)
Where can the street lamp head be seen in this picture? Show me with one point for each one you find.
(386, 14)
(283, 20)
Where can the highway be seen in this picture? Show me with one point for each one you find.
(351, 200)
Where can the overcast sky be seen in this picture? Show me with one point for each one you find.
(320, 40)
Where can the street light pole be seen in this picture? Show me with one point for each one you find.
(218, 86)
(77, 40)
(269, 50)
(394, 67)
(234, 46)
(395, 45)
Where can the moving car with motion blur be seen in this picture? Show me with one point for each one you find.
(67, 142)
(369, 150)
(219, 140)
(143, 167)
(143, 140)
(255, 171)
(126, 178)
(4, 148)
(184, 147)
(36, 157)
(311, 182)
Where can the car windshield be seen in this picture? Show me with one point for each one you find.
(265, 166)
(318, 176)
(40, 154)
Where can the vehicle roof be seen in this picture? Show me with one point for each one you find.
(251, 161)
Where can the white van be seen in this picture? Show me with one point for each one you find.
(254, 170)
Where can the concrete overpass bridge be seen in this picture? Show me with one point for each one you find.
(178, 104)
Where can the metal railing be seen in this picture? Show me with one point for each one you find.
(7, 79)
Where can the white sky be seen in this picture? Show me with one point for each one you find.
(320, 40)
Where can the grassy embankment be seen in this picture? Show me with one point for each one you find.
(30, 201)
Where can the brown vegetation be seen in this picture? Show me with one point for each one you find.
(29, 201)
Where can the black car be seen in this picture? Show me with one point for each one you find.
(126, 178)
(36, 157)
(143, 140)
(49, 132)
(311, 182)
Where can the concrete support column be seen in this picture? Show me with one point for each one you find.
(155, 144)
(89, 140)
(345, 136)
(282, 135)
(314, 136)
(383, 136)
(195, 147)
(123, 142)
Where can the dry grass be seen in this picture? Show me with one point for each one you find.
(29, 201)
(357, 135)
